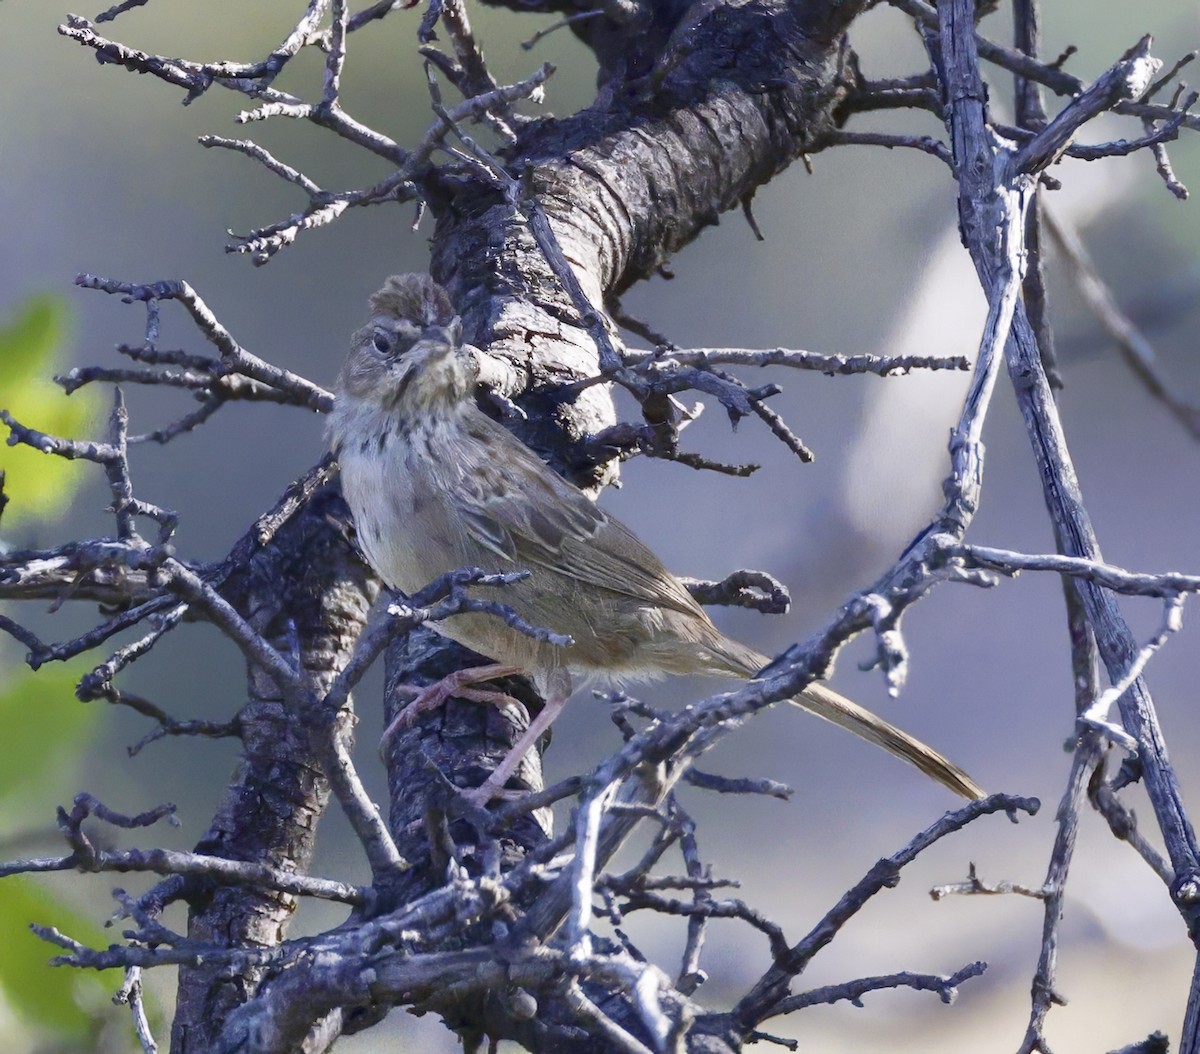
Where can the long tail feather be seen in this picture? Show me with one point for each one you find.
(736, 657)
(826, 703)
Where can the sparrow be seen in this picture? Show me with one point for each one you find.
(435, 485)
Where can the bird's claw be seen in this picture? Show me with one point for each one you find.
(453, 685)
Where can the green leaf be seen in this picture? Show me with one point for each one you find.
(41, 717)
(31, 347)
(42, 722)
(28, 344)
(53, 997)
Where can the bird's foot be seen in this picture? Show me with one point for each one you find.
(457, 685)
(494, 786)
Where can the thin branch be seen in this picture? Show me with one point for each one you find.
(265, 158)
(1110, 576)
(1096, 715)
(327, 206)
(710, 909)
(745, 589)
(562, 23)
(771, 989)
(119, 9)
(236, 358)
(945, 985)
(924, 143)
(130, 994)
(975, 886)
(1130, 341)
(1123, 823)
(726, 785)
(1128, 79)
(476, 80)
(98, 683)
(1050, 75)
(217, 869)
(663, 360)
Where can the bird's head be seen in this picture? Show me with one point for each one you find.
(409, 358)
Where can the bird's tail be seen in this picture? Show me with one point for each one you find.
(826, 703)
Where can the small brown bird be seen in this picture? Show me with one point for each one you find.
(436, 485)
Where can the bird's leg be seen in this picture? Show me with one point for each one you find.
(493, 786)
(456, 684)
(555, 685)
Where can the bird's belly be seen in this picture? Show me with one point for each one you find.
(386, 505)
(411, 533)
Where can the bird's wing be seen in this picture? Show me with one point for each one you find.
(516, 506)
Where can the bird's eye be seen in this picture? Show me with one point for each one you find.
(382, 342)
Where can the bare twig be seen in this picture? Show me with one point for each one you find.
(1130, 341)
(233, 355)
(1123, 824)
(975, 886)
(764, 998)
(926, 144)
(1096, 715)
(946, 986)
(130, 993)
(663, 360)
(1111, 577)
(747, 589)
(1051, 75)
(217, 869)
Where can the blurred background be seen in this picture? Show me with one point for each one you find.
(101, 172)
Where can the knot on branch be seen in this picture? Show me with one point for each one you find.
(756, 590)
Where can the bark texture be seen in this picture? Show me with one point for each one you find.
(309, 593)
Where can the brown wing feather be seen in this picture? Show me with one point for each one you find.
(561, 527)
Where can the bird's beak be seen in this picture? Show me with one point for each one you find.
(450, 334)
